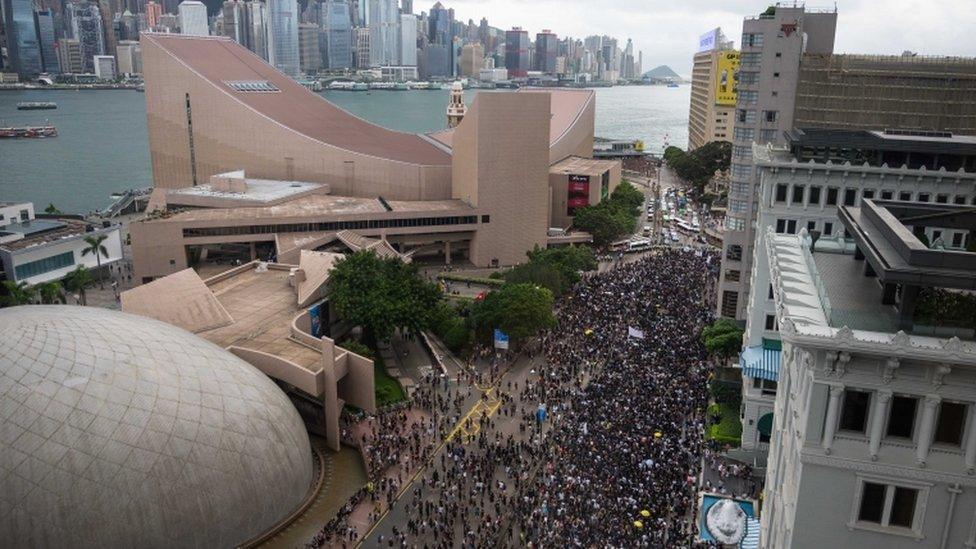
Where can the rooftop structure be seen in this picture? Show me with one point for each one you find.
(272, 316)
(121, 430)
(913, 149)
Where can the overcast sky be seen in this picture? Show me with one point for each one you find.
(667, 30)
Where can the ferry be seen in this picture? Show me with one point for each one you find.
(28, 132)
(418, 85)
(36, 105)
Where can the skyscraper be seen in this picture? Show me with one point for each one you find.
(337, 34)
(383, 20)
(408, 40)
(714, 81)
(69, 56)
(153, 11)
(283, 36)
(440, 23)
(517, 52)
(546, 44)
(23, 47)
(472, 56)
(257, 23)
(193, 18)
(46, 37)
(362, 47)
(406, 6)
(309, 55)
(233, 12)
(86, 27)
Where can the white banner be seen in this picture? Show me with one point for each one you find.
(634, 332)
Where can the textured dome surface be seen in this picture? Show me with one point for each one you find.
(118, 430)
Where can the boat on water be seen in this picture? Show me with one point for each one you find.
(28, 132)
(401, 86)
(36, 105)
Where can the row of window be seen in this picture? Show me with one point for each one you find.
(748, 97)
(750, 58)
(802, 195)
(752, 40)
(46, 265)
(334, 226)
(903, 417)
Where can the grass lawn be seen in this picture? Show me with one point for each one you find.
(729, 428)
(388, 389)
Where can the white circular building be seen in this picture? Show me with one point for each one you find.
(118, 431)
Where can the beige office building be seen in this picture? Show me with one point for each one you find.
(292, 170)
(714, 80)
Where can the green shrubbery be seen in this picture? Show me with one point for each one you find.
(728, 430)
(612, 218)
(698, 166)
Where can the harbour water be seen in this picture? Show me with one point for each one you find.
(102, 145)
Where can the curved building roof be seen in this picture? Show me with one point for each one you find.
(121, 431)
(250, 80)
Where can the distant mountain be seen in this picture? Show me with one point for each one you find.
(662, 72)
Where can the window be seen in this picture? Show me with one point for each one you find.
(770, 322)
(957, 240)
(887, 505)
(738, 188)
(774, 93)
(748, 97)
(904, 196)
(743, 133)
(798, 192)
(734, 252)
(828, 228)
(831, 196)
(780, 226)
(901, 417)
(775, 75)
(748, 78)
(886, 195)
(730, 300)
(854, 415)
(751, 58)
(867, 193)
(732, 275)
(959, 199)
(791, 226)
(952, 418)
(485, 218)
(741, 151)
(811, 226)
(24, 215)
(942, 198)
(770, 116)
(768, 135)
(781, 191)
(814, 195)
(738, 206)
(767, 386)
(850, 197)
(45, 265)
(745, 115)
(733, 223)
(923, 197)
(752, 39)
(741, 170)
(770, 296)
(779, 54)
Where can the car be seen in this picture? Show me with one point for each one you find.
(647, 230)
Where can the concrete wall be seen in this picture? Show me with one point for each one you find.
(75, 245)
(501, 166)
(228, 135)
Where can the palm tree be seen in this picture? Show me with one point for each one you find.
(50, 292)
(17, 293)
(96, 247)
(77, 280)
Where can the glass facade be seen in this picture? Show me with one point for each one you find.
(23, 47)
(283, 36)
(337, 24)
(46, 265)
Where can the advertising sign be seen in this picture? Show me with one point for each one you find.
(315, 314)
(708, 40)
(727, 79)
(578, 193)
(501, 339)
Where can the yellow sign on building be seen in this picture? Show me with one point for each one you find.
(727, 78)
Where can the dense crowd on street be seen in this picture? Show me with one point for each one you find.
(601, 445)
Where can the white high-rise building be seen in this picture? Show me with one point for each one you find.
(383, 19)
(193, 18)
(257, 22)
(408, 40)
(283, 36)
(105, 67)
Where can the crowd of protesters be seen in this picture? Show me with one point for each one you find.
(600, 446)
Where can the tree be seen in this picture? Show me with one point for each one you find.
(78, 280)
(50, 292)
(605, 221)
(628, 197)
(723, 338)
(519, 310)
(381, 295)
(52, 209)
(16, 293)
(96, 247)
(554, 268)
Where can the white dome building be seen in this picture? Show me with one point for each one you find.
(120, 431)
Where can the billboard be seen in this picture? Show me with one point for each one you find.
(578, 193)
(727, 78)
(709, 40)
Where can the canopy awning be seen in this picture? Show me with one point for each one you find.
(760, 362)
(765, 424)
